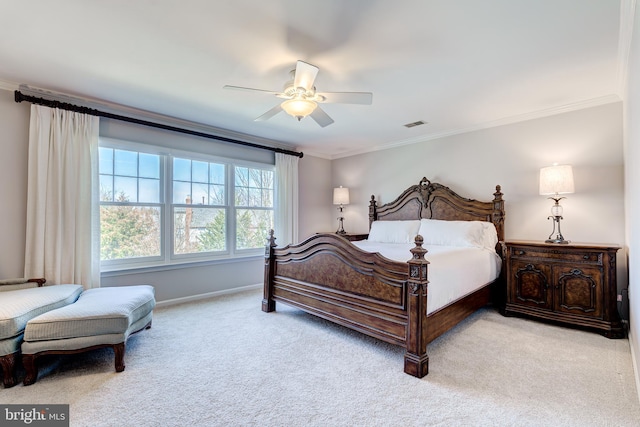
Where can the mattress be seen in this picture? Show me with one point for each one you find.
(453, 271)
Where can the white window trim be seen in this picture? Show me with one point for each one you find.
(168, 260)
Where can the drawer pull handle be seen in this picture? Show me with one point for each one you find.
(585, 257)
(520, 252)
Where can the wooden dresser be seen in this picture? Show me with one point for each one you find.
(573, 284)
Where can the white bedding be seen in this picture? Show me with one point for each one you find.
(453, 271)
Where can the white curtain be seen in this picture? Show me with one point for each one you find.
(286, 220)
(63, 223)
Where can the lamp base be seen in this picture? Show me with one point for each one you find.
(559, 241)
(340, 226)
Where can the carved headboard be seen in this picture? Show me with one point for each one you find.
(435, 201)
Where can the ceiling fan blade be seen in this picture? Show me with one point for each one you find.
(305, 75)
(266, 116)
(249, 89)
(321, 117)
(364, 98)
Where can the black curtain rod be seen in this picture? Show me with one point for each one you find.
(19, 97)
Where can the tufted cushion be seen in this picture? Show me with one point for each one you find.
(18, 307)
(100, 311)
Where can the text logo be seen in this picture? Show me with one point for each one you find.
(34, 415)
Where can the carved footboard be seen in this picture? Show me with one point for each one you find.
(329, 277)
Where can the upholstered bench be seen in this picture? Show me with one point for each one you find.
(17, 307)
(101, 317)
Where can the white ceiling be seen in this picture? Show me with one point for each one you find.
(456, 64)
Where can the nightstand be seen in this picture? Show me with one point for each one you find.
(573, 284)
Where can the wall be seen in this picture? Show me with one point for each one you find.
(632, 187)
(471, 163)
(316, 196)
(14, 140)
(193, 281)
(511, 155)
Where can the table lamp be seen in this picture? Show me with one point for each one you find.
(341, 198)
(556, 180)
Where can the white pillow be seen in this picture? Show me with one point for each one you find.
(394, 231)
(452, 233)
(490, 235)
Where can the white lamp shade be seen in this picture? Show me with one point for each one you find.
(341, 196)
(556, 180)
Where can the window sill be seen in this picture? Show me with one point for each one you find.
(176, 266)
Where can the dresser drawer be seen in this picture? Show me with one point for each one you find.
(564, 254)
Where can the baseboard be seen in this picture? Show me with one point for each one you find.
(634, 362)
(198, 297)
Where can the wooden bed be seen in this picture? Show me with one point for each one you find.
(326, 275)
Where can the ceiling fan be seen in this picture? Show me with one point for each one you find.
(301, 99)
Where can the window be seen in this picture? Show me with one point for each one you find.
(199, 208)
(254, 206)
(158, 208)
(130, 204)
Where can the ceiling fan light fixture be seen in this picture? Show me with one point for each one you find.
(299, 107)
(301, 99)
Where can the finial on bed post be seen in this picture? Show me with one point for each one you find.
(416, 360)
(268, 304)
(418, 251)
(373, 214)
(271, 240)
(498, 194)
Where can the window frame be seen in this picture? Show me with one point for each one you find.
(117, 264)
(171, 205)
(168, 257)
(249, 207)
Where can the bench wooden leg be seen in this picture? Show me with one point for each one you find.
(29, 363)
(8, 363)
(118, 350)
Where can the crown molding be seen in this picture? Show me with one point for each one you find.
(315, 154)
(627, 18)
(6, 85)
(594, 102)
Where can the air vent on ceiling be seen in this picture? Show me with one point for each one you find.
(414, 124)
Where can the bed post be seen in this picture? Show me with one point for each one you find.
(416, 360)
(498, 212)
(268, 304)
(373, 214)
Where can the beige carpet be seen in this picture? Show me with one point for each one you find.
(223, 362)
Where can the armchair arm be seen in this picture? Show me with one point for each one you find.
(20, 283)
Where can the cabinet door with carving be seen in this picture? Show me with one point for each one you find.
(579, 290)
(530, 285)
